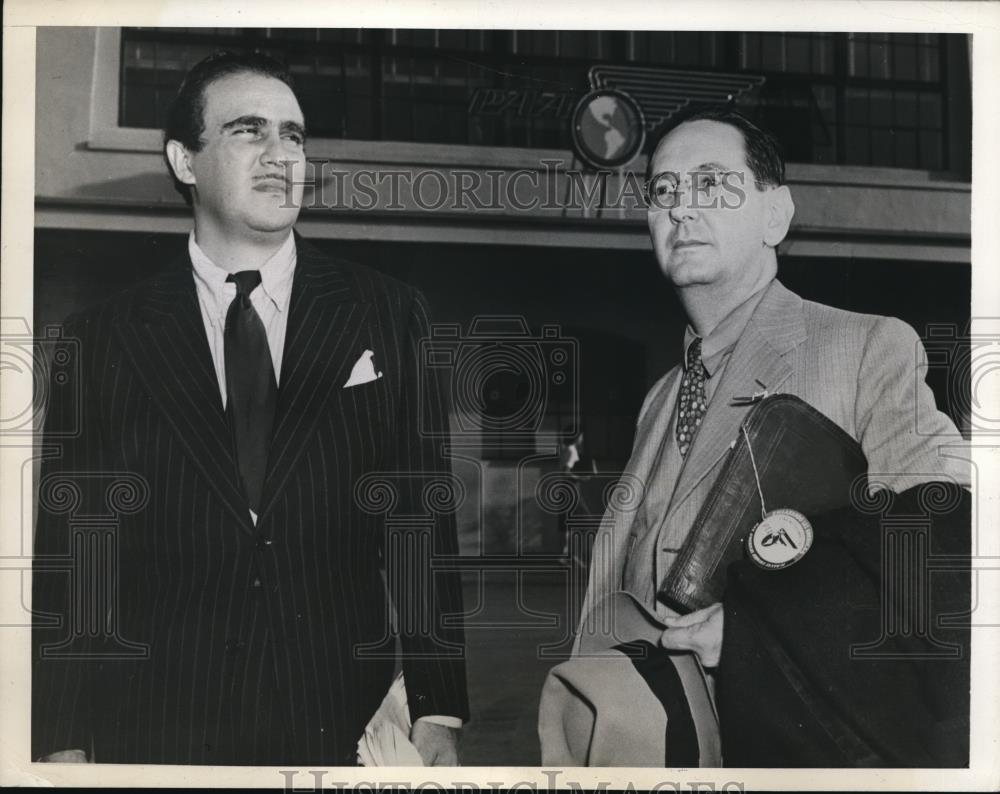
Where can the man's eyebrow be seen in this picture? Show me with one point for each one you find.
(293, 126)
(710, 167)
(244, 121)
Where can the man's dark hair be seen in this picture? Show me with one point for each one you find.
(763, 153)
(186, 116)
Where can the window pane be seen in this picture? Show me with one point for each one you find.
(930, 150)
(293, 34)
(661, 48)
(930, 66)
(857, 56)
(856, 145)
(883, 147)
(322, 101)
(687, 50)
(825, 121)
(750, 50)
(906, 149)
(906, 108)
(930, 110)
(879, 60)
(358, 118)
(454, 124)
(426, 119)
(856, 106)
(396, 121)
(140, 99)
(823, 54)
(572, 44)
(905, 63)
(420, 38)
(711, 49)
(881, 108)
(598, 44)
(799, 58)
(343, 35)
(540, 41)
(824, 125)
(773, 51)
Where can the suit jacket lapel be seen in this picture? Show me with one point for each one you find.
(325, 319)
(164, 339)
(609, 550)
(758, 362)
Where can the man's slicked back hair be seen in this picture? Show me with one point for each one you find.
(186, 115)
(763, 152)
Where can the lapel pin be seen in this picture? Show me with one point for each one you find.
(756, 397)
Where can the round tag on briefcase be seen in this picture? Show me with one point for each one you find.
(780, 539)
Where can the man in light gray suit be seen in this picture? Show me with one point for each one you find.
(718, 208)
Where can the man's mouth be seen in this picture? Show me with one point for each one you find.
(688, 243)
(268, 182)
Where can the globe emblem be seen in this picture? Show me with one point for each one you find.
(608, 128)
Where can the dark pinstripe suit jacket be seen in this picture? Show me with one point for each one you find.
(208, 639)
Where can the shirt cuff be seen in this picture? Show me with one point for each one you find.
(440, 719)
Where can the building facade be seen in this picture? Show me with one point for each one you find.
(445, 158)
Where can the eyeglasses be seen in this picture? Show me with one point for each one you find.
(663, 190)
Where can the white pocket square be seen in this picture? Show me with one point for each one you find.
(363, 371)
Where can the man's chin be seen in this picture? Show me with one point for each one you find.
(277, 220)
(689, 273)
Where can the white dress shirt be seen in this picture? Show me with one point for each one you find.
(270, 300)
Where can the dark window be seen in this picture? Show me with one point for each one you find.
(849, 98)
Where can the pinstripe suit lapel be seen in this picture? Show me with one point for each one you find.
(758, 362)
(164, 338)
(325, 318)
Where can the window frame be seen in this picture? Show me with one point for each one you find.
(106, 134)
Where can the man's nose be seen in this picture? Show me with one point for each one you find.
(273, 151)
(684, 209)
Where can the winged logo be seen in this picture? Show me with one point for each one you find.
(663, 92)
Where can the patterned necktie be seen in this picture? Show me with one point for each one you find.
(692, 402)
(251, 389)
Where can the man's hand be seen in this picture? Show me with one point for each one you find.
(700, 631)
(65, 757)
(437, 744)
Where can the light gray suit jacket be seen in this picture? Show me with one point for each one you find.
(865, 372)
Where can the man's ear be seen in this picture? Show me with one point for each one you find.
(180, 162)
(780, 210)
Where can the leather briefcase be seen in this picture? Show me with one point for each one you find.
(805, 462)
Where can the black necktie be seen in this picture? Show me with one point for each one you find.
(692, 402)
(251, 389)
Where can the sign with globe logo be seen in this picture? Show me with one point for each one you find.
(608, 128)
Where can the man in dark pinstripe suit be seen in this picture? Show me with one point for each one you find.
(242, 625)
